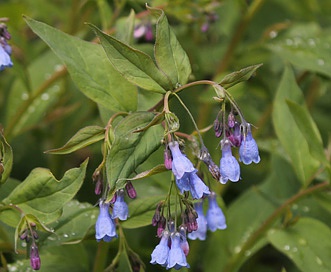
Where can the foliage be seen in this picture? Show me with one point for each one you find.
(104, 91)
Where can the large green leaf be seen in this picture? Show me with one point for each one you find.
(42, 195)
(288, 131)
(306, 46)
(136, 66)
(84, 137)
(89, 68)
(129, 148)
(307, 244)
(169, 54)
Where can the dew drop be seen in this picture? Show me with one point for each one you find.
(58, 67)
(73, 233)
(23, 244)
(295, 249)
(25, 96)
(289, 42)
(306, 209)
(273, 34)
(92, 216)
(12, 268)
(51, 238)
(287, 247)
(248, 253)
(237, 249)
(320, 62)
(295, 207)
(319, 261)
(302, 242)
(311, 42)
(45, 96)
(65, 235)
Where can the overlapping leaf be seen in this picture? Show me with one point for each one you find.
(89, 68)
(129, 148)
(43, 196)
(169, 54)
(136, 66)
(6, 159)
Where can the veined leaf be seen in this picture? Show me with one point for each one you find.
(89, 68)
(84, 137)
(169, 54)
(309, 130)
(288, 131)
(43, 196)
(129, 148)
(136, 66)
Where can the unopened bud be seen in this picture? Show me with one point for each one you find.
(167, 159)
(231, 120)
(131, 191)
(34, 257)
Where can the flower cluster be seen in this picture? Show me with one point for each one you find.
(235, 134)
(5, 48)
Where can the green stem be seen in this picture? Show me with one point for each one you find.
(236, 259)
(101, 257)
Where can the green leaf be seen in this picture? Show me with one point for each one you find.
(129, 148)
(287, 130)
(101, 82)
(169, 54)
(84, 137)
(309, 130)
(43, 196)
(239, 76)
(305, 46)
(307, 244)
(6, 159)
(136, 66)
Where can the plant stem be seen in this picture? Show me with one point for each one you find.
(101, 257)
(236, 259)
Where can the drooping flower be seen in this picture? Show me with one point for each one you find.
(161, 252)
(176, 257)
(229, 166)
(185, 173)
(215, 216)
(120, 208)
(5, 60)
(200, 233)
(34, 257)
(105, 228)
(248, 151)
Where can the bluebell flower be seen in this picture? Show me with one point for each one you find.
(229, 166)
(248, 150)
(201, 232)
(5, 60)
(185, 173)
(120, 208)
(176, 257)
(215, 216)
(105, 228)
(161, 252)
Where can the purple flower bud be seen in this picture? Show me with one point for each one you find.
(190, 220)
(231, 120)
(34, 257)
(167, 159)
(131, 191)
(235, 136)
(218, 128)
(161, 226)
(183, 241)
